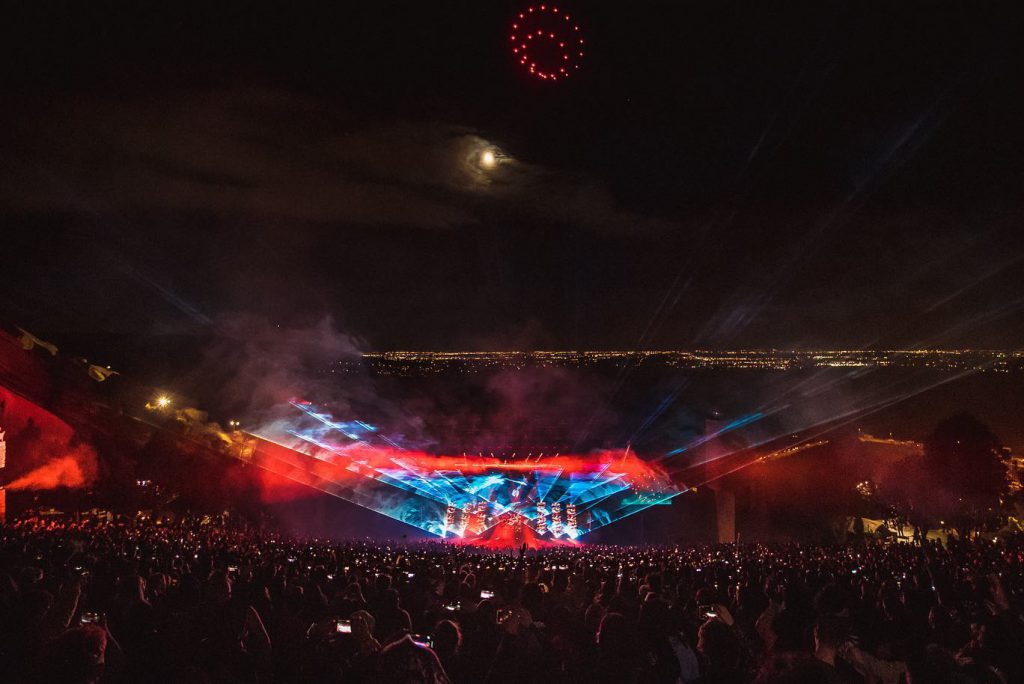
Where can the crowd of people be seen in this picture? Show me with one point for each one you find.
(201, 601)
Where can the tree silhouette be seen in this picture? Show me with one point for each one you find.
(958, 482)
(961, 478)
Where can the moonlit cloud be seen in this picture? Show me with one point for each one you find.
(269, 154)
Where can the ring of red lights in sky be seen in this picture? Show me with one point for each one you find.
(546, 42)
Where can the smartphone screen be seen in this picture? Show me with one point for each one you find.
(486, 594)
(343, 626)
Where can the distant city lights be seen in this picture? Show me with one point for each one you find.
(997, 361)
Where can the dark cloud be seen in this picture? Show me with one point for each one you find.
(701, 182)
(275, 154)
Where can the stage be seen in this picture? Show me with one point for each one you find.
(485, 500)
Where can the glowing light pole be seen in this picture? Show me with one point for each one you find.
(542, 515)
(449, 519)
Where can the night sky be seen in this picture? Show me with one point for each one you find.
(718, 174)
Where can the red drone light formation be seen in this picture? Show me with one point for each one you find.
(546, 42)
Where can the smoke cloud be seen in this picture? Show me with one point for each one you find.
(74, 469)
(257, 367)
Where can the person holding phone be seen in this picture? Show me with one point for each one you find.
(720, 651)
(405, 660)
(447, 644)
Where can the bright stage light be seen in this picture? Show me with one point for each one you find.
(488, 160)
(159, 403)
